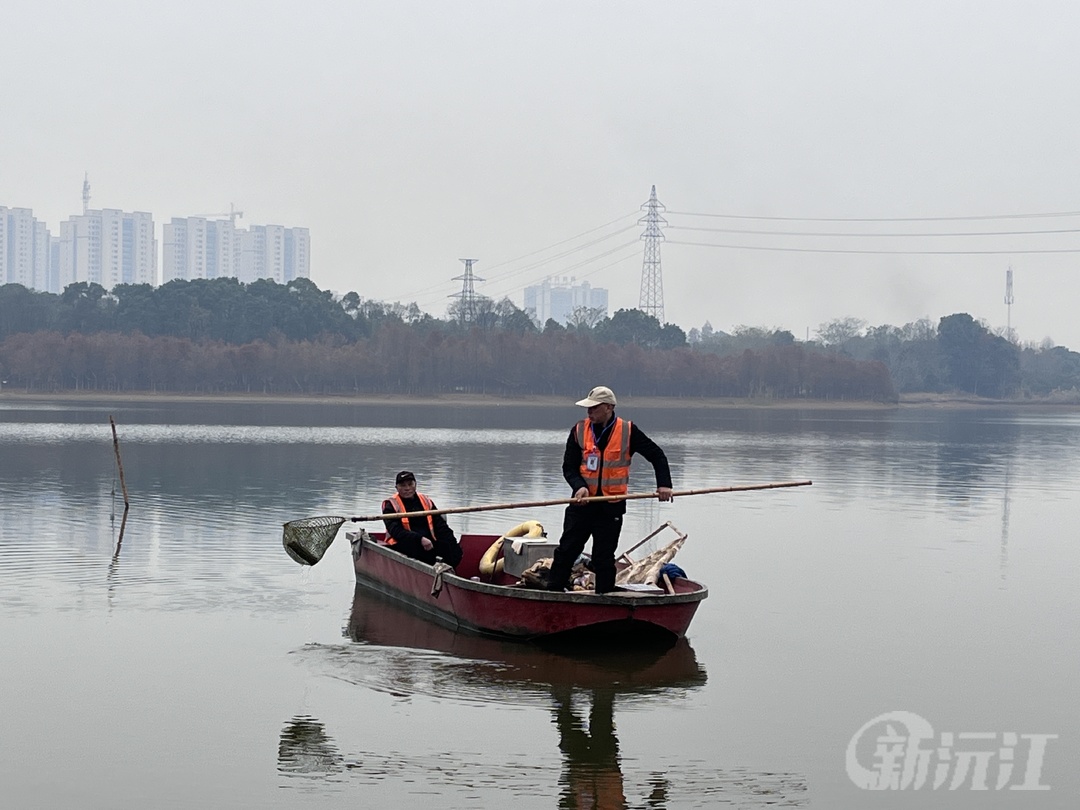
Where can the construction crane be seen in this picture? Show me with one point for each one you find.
(232, 214)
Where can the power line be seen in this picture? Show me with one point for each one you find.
(494, 281)
(583, 263)
(562, 255)
(436, 299)
(520, 286)
(877, 252)
(497, 277)
(570, 239)
(1048, 215)
(885, 235)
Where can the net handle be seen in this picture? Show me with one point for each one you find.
(459, 510)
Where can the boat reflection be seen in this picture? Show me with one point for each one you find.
(531, 668)
(401, 652)
(569, 676)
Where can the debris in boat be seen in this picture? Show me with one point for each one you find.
(582, 579)
(646, 573)
(647, 570)
(640, 587)
(536, 576)
(672, 570)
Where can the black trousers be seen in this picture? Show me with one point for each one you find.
(448, 550)
(601, 522)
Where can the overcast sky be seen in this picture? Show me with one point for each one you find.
(526, 135)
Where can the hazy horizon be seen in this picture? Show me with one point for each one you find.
(406, 136)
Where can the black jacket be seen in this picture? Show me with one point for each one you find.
(419, 525)
(408, 541)
(639, 443)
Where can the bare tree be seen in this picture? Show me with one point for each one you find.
(585, 318)
(836, 333)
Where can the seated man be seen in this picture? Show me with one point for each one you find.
(422, 538)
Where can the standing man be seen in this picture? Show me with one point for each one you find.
(422, 538)
(597, 462)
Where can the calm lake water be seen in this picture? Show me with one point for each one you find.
(932, 569)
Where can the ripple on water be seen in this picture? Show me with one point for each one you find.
(588, 764)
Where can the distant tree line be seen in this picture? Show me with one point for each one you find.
(402, 359)
(224, 336)
(957, 355)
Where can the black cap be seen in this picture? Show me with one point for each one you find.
(404, 476)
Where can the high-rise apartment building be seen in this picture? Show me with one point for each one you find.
(558, 298)
(24, 251)
(275, 252)
(108, 247)
(199, 248)
(111, 247)
(194, 247)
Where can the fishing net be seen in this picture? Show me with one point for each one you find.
(308, 539)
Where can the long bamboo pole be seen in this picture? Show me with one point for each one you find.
(458, 510)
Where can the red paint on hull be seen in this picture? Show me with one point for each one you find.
(520, 613)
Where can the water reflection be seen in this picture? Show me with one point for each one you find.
(580, 686)
(591, 776)
(1003, 564)
(398, 647)
(401, 653)
(583, 690)
(306, 749)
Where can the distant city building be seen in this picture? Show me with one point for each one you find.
(195, 247)
(108, 247)
(25, 251)
(275, 252)
(556, 299)
(111, 247)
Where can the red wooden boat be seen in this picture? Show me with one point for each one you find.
(458, 600)
(524, 668)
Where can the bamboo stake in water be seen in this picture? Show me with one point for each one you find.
(119, 463)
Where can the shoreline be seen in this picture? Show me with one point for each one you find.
(479, 400)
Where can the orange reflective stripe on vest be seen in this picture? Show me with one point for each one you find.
(399, 506)
(613, 475)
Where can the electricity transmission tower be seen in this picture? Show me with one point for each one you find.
(467, 296)
(651, 301)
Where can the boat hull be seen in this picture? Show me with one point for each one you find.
(515, 612)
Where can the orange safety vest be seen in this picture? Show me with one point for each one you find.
(614, 462)
(398, 505)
